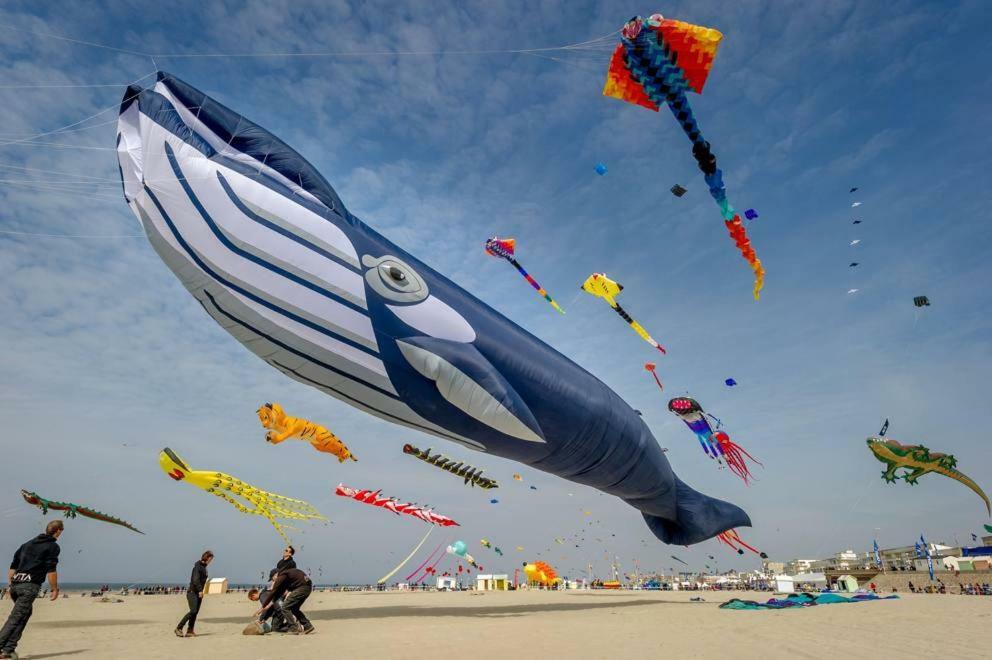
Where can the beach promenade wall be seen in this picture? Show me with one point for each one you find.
(901, 579)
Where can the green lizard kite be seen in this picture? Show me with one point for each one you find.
(917, 460)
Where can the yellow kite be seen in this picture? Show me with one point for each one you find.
(266, 504)
(599, 285)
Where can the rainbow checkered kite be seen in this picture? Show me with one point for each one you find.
(656, 62)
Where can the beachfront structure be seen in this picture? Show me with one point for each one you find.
(216, 586)
(772, 567)
(446, 583)
(492, 582)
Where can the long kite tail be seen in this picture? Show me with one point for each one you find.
(103, 517)
(540, 289)
(735, 455)
(733, 539)
(664, 83)
(966, 481)
(637, 327)
(408, 557)
(657, 380)
(425, 562)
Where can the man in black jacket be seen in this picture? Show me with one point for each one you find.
(296, 585)
(287, 560)
(194, 594)
(33, 562)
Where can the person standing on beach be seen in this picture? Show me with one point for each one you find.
(33, 562)
(297, 586)
(287, 560)
(194, 594)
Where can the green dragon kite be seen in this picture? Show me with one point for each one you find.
(72, 510)
(918, 461)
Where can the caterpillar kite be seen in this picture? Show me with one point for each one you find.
(282, 427)
(392, 504)
(470, 474)
(263, 503)
(601, 286)
(656, 63)
(72, 510)
(505, 248)
(716, 444)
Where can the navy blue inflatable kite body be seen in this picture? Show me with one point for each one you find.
(265, 245)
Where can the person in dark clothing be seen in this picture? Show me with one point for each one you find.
(194, 594)
(32, 563)
(287, 560)
(296, 586)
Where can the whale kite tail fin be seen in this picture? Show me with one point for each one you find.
(697, 517)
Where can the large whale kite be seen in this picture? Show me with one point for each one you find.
(265, 245)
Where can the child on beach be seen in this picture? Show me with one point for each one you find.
(194, 594)
(32, 563)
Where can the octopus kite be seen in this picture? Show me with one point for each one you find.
(917, 460)
(603, 287)
(656, 63)
(733, 539)
(504, 247)
(226, 487)
(392, 504)
(284, 427)
(72, 510)
(467, 472)
(716, 444)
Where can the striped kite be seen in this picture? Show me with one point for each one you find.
(656, 63)
(392, 504)
(504, 247)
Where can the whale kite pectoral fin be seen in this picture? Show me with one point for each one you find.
(468, 381)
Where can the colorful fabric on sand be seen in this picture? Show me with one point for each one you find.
(392, 504)
(656, 63)
(800, 600)
(239, 494)
(505, 248)
(72, 510)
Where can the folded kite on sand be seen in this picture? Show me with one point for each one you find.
(226, 487)
(72, 510)
(799, 600)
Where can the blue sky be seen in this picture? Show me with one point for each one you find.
(109, 359)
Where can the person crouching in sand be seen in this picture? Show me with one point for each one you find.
(297, 587)
(194, 594)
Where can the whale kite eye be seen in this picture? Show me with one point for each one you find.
(394, 279)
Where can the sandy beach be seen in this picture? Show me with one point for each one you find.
(526, 624)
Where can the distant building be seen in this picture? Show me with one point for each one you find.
(772, 567)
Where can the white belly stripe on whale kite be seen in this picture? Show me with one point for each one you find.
(228, 240)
